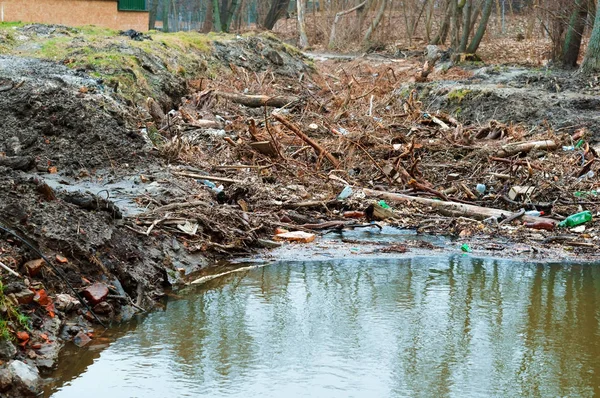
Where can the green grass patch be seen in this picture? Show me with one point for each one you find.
(458, 95)
(11, 317)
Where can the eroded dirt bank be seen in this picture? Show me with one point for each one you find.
(76, 159)
(114, 153)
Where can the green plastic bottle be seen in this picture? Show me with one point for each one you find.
(576, 219)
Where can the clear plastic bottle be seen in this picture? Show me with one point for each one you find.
(576, 219)
(534, 213)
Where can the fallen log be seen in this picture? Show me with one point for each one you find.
(296, 130)
(258, 101)
(513, 149)
(453, 209)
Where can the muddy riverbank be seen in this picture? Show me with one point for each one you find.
(135, 166)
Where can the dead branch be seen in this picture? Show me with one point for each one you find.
(512, 149)
(318, 148)
(258, 101)
(453, 209)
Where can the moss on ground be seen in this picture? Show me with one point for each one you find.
(128, 65)
(458, 95)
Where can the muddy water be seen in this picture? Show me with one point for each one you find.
(455, 327)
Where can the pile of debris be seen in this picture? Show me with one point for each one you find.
(320, 152)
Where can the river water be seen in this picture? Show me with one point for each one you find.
(422, 327)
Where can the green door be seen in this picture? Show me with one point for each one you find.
(132, 5)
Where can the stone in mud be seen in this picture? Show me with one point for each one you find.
(103, 308)
(5, 380)
(65, 303)
(96, 293)
(25, 378)
(7, 349)
(34, 267)
(81, 340)
(25, 296)
(274, 57)
(23, 163)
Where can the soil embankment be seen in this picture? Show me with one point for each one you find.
(114, 152)
(76, 159)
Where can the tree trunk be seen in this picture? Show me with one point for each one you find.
(303, 38)
(332, 36)
(231, 11)
(175, 12)
(464, 40)
(574, 35)
(208, 20)
(485, 17)
(475, 15)
(429, 19)
(216, 16)
(455, 31)
(165, 15)
(443, 33)
(376, 21)
(153, 12)
(361, 13)
(277, 10)
(591, 62)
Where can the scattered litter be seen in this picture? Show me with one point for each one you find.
(517, 192)
(383, 204)
(296, 236)
(465, 248)
(576, 219)
(188, 228)
(578, 229)
(346, 192)
(534, 213)
(548, 226)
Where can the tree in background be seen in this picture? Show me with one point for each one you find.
(352, 24)
(485, 17)
(277, 10)
(574, 35)
(303, 38)
(591, 62)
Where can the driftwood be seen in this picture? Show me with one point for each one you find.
(320, 150)
(513, 149)
(258, 101)
(203, 124)
(452, 208)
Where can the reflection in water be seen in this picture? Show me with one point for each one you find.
(421, 327)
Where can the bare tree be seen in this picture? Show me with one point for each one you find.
(591, 62)
(485, 17)
(574, 33)
(376, 21)
(303, 38)
(276, 11)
